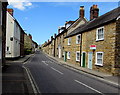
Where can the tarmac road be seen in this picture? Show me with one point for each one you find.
(51, 77)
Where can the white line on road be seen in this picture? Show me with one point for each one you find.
(45, 63)
(32, 81)
(57, 70)
(89, 87)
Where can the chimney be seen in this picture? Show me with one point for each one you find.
(94, 12)
(48, 41)
(10, 11)
(51, 38)
(30, 36)
(81, 12)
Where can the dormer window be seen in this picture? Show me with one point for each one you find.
(100, 34)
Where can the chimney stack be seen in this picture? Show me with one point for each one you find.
(48, 41)
(10, 11)
(81, 12)
(30, 36)
(55, 35)
(51, 38)
(94, 12)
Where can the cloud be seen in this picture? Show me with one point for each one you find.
(20, 4)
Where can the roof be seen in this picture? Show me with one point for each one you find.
(104, 19)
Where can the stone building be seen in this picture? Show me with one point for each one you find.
(100, 41)
(22, 54)
(27, 43)
(60, 41)
(72, 43)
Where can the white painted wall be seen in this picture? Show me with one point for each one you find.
(12, 30)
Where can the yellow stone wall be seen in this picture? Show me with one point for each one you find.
(107, 46)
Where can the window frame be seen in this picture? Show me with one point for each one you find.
(77, 39)
(99, 39)
(69, 41)
(78, 60)
(68, 55)
(97, 59)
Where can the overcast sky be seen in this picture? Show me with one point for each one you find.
(42, 19)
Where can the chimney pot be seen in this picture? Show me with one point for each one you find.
(10, 11)
(94, 12)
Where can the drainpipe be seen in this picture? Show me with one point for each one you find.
(80, 49)
(54, 46)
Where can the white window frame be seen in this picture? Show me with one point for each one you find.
(97, 58)
(68, 55)
(77, 39)
(97, 33)
(77, 57)
(69, 41)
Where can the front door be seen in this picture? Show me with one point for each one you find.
(90, 60)
(83, 59)
(65, 56)
(59, 51)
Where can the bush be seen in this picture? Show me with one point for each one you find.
(27, 52)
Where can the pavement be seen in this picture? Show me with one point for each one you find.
(104, 77)
(14, 77)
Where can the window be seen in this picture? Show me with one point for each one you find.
(99, 58)
(77, 55)
(7, 48)
(69, 41)
(78, 39)
(68, 55)
(100, 34)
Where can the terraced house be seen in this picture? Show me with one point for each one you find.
(93, 44)
(72, 44)
(100, 41)
(14, 37)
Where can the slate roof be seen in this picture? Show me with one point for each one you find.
(104, 19)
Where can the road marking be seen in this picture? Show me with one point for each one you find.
(29, 60)
(89, 87)
(57, 70)
(32, 81)
(45, 63)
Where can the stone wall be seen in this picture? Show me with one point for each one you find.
(72, 49)
(107, 46)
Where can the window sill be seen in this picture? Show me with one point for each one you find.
(101, 65)
(99, 40)
(77, 60)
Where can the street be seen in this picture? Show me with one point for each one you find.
(51, 77)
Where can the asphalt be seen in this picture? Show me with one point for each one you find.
(104, 77)
(14, 77)
(52, 77)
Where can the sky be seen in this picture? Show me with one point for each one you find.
(42, 19)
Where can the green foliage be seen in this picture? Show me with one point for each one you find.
(27, 52)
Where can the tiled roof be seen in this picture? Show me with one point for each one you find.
(104, 19)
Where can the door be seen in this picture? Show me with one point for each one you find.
(59, 51)
(65, 56)
(90, 60)
(83, 59)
